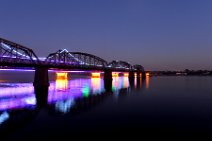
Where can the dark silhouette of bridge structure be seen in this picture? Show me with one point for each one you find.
(13, 55)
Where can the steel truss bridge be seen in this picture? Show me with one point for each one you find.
(13, 55)
(16, 55)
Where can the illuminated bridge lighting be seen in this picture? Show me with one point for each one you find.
(81, 62)
(11, 51)
(62, 81)
(115, 74)
(76, 71)
(42, 58)
(62, 75)
(95, 74)
(61, 84)
(147, 74)
(126, 74)
(96, 85)
(8, 47)
(17, 70)
(20, 69)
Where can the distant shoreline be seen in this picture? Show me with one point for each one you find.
(181, 73)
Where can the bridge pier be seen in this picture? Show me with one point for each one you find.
(143, 75)
(131, 77)
(108, 80)
(41, 86)
(138, 73)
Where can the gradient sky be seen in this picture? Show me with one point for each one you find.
(159, 34)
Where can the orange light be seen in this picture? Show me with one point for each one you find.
(95, 74)
(115, 74)
(115, 82)
(147, 82)
(126, 74)
(96, 84)
(135, 74)
(147, 74)
(62, 81)
(126, 82)
(62, 75)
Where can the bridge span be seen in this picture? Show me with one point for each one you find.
(13, 55)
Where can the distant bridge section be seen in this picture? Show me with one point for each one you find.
(120, 64)
(138, 68)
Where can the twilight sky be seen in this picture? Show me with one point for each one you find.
(159, 34)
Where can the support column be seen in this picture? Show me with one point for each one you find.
(108, 80)
(41, 86)
(143, 75)
(138, 74)
(131, 78)
(138, 81)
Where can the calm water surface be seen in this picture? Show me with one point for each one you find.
(80, 104)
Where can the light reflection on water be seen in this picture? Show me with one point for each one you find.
(119, 83)
(62, 92)
(147, 82)
(16, 95)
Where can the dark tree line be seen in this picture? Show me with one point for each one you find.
(185, 72)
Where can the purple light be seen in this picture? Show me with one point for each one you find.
(15, 103)
(66, 71)
(21, 95)
(73, 90)
(16, 90)
(32, 70)
(17, 70)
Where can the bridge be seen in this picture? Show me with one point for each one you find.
(13, 55)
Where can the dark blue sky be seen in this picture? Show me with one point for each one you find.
(159, 34)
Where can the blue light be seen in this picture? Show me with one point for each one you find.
(65, 106)
(3, 117)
